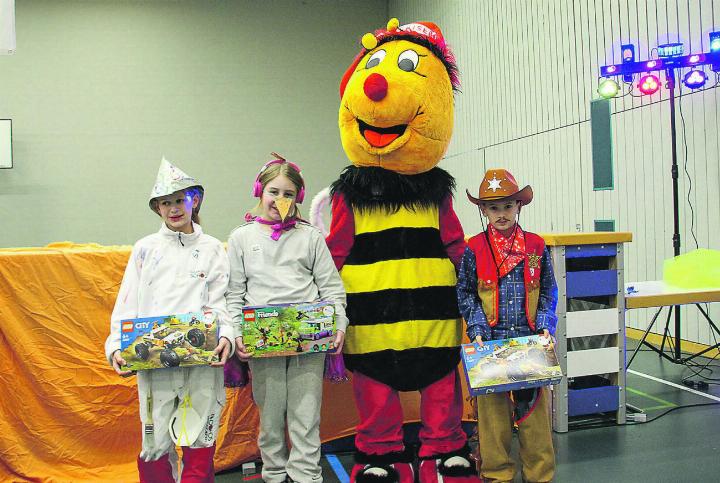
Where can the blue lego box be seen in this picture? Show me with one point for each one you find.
(289, 329)
(169, 341)
(510, 364)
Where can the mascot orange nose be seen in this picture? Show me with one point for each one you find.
(375, 87)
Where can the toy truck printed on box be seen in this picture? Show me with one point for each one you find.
(510, 364)
(289, 329)
(169, 341)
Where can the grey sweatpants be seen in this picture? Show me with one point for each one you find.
(289, 388)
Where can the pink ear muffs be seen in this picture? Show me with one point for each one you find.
(257, 186)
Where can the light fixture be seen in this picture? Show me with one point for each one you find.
(714, 41)
(670, 50)
(695, 79)
(608, 89)
(628, 56)
(715, 49)
(649, 84)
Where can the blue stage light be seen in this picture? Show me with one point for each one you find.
(695, 79)
(715, 49)
(714, 41)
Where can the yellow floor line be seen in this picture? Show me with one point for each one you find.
(656, 340)
(665, 404)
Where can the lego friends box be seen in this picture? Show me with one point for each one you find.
(510, 364)
(289, 329)
(169, 341)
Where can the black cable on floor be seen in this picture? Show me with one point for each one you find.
(635, 423)
(611, 422)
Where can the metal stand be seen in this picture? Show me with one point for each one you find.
(676, 356)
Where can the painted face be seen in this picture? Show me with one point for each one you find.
(501, 214)
(397, 109)
(278, 187)
(176, 210)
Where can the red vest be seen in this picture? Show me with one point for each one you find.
(488, 289)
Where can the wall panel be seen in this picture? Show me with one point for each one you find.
(529, 70)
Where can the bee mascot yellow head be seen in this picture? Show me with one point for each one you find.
(397, 243)
(397, 99)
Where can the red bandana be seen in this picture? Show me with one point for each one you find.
(508, 252)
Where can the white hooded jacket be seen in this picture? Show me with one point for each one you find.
(173, 273)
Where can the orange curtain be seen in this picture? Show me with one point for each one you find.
(64, 413)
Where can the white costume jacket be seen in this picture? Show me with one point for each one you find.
(173, 273)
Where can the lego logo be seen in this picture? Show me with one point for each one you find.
(249, 315)
(127, 326)
(470, 350)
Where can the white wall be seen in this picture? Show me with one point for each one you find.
(99, 90)
(529, 69)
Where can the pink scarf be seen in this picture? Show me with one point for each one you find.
(277, 226)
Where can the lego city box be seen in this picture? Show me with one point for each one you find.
(169, 341)
(510, 364)
(289, 329)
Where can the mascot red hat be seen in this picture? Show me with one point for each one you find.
(422, 32)
(397, 242)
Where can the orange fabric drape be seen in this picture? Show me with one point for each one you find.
(64, 413)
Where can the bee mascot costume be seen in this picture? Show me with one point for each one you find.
(397, 242)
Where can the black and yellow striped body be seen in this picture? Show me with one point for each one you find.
(405, 326)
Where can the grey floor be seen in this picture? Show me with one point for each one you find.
(680, 446)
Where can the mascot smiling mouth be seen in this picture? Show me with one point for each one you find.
(380, 137)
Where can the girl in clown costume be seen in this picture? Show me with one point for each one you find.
(176, 270)
(397, 242)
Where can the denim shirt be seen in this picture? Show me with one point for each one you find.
(512, 320)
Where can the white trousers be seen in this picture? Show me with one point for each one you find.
(289, 388)
(161, 391)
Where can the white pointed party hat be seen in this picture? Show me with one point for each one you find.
(170, 179)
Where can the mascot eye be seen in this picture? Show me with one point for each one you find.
(375, 59)
(408, 60)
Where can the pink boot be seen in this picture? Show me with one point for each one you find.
(158, 471)
(198, 465)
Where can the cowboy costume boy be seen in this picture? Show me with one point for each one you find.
(506, 288)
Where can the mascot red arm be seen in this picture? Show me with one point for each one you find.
(397, 241)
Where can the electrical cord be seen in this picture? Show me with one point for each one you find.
(629, 92)
(664, 413)
(698, 369)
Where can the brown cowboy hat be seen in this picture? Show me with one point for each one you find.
(499, 184)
